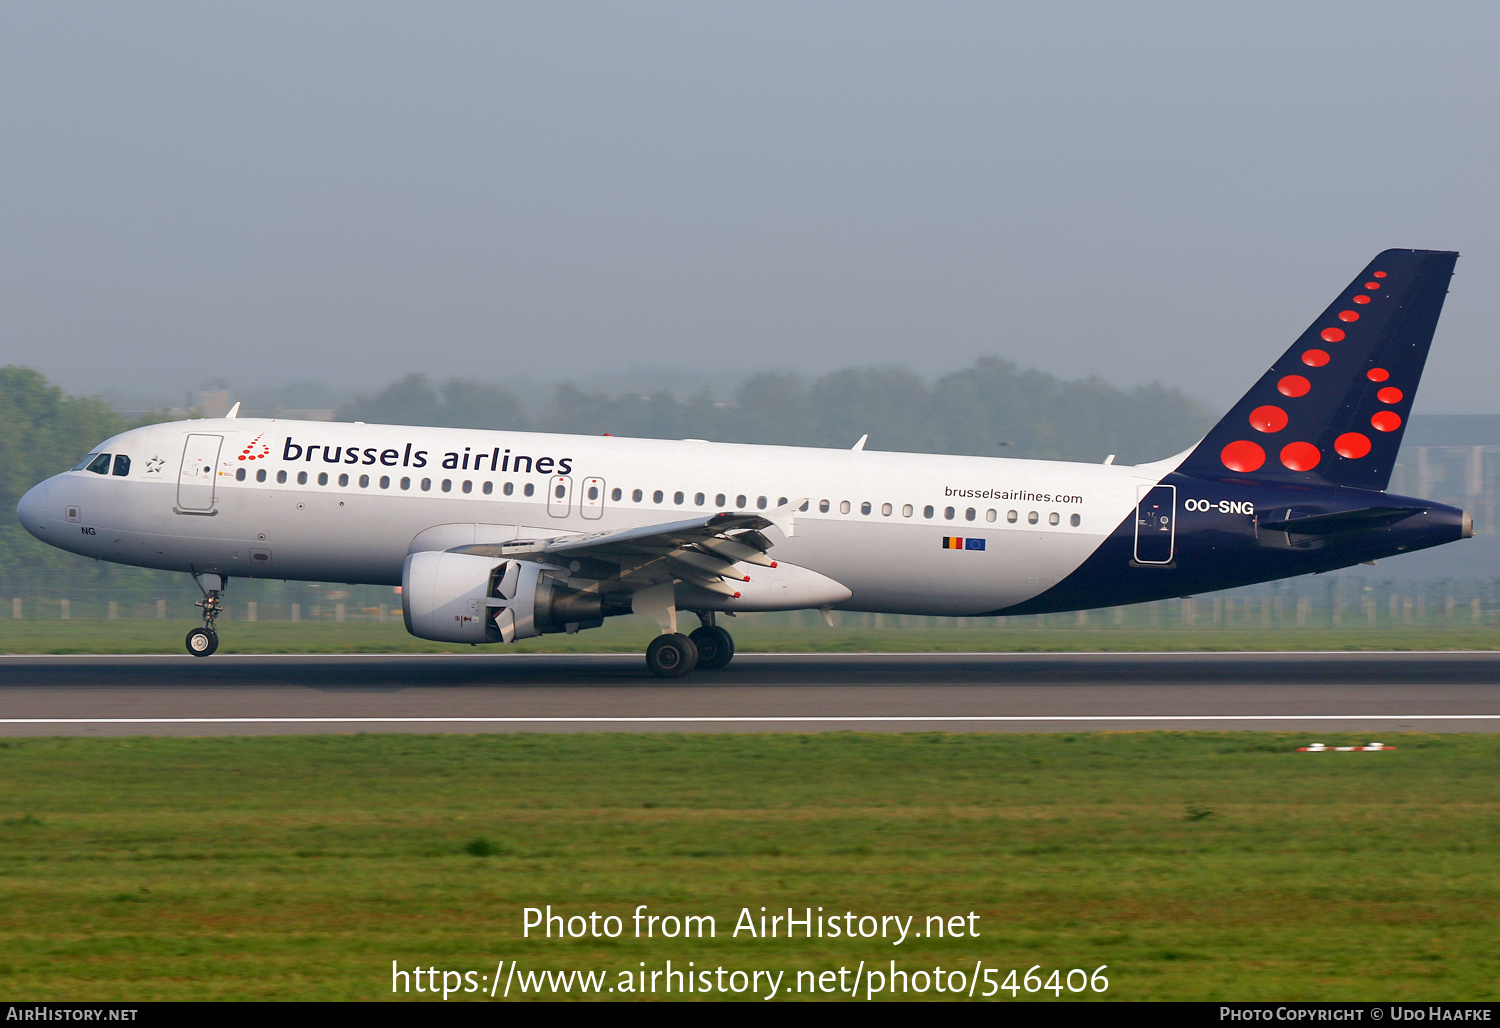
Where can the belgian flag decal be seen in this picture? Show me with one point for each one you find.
(958, 542)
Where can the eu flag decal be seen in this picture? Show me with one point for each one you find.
(958, 542)
(973, 544)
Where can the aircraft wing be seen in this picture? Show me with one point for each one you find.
(700, 551)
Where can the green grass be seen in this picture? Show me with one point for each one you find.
(1197, 866)
(752, 633)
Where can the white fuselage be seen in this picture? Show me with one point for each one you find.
(249, 498)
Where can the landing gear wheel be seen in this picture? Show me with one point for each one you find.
(715, 647)
(201, 642)
(671, 656)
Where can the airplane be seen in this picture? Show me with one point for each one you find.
(495, 537)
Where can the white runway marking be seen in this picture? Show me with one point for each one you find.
(737, 719)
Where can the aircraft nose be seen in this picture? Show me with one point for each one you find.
(32, 510)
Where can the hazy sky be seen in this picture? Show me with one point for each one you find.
(272, 193)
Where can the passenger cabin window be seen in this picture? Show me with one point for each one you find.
(615, 494)
(823, 506)
(343, 480)
(906, 510)
(637, 495)
(260, 475)
(948, 512)
(489, 487)
(739, 501)
(302, 478)
(122, 465)
(239, 474)
(322, 478)
(1075, 521)
(1011, 516)
(719, 500)
(657, 496)
(927, 511)
(510, 487)
(281, 478)
(1031, 518)
(100, 464)
(529, 490)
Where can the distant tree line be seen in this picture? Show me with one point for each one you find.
(990, 409)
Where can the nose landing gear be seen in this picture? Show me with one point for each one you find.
(202, 642)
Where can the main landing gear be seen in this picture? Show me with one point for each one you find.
(201, 642)
(673, 654)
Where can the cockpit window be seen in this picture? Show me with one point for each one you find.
(99, 465)
(85, 462)
(122, 465)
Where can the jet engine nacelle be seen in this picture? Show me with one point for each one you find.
(464, 598)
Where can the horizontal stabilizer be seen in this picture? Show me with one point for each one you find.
(1343, 521)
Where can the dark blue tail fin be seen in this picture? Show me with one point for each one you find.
(1333, 409)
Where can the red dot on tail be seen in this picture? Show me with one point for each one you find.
(1379, 274)
(1333, 335)
(1315, 358)
(1372, 285)
(1293, 385)
(1390, 394)
(1243, 456)
(1377, 374)
(1300, 456)
(1386, 421)
(1348, 315)
(1352, 445)
(1361, 298)
(1268, 419)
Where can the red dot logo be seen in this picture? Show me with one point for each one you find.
(1352, 445)
(1377, 374)
(1300, 456)
(1361, 298)
(1386, 421)
(1315, 358)
(1390, 394)
(242, 456)
(1242, 456)
(1268, 419)
(1348, 315)
(1293, 385)
(1379, 274)
(1333, 335)
(1372, 285)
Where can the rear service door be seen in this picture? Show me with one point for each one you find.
(1156, 524)
(197, 477)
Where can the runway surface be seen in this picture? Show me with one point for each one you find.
(258, 695)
